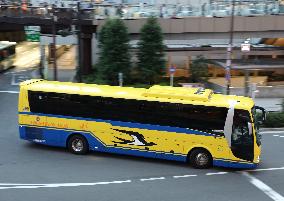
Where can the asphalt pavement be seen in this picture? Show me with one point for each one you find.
(30, 172)
(34, 172)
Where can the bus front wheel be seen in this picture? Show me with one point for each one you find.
(78, 144)
(200, 158)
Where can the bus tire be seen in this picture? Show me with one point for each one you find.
(200, 158)
(78, 144)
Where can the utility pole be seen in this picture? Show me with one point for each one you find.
(42, 61)
(246, 85)
(79, 66)
(245, 48)
(229, 51)
(54, 44)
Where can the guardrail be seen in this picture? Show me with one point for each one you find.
(128, 12)
(36, 12)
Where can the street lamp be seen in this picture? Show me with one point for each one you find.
(54, 19)
(245, 47)
(229, 51)
(79, 66)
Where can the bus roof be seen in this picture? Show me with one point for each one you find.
(185, 95)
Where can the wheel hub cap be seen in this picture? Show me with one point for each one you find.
(202, 159)
(77, 145)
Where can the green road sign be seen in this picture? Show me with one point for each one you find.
(32, 33)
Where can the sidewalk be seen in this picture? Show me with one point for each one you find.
(63, 75)
(68, 59)
(66, 67)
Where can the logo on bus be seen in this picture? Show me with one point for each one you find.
(137, 139)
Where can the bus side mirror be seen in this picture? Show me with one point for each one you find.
(263, 114)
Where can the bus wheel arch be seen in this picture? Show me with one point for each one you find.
(77, 143)
(200, 157)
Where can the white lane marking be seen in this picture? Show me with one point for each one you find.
(26, 186)
(216, 173)
(13, 80)
(14, 72)
(271, 132)
(275, 135)
(263, 187)
(10, 92)
(264, 169)
(4, 186)
(19, 79)
(152, 179)
(184, 176)
(281, 136)
(20, 184)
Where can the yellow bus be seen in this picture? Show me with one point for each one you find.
(176, 123)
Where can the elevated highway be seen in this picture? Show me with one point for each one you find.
(267, 26)
(190, 28)
(270, 26)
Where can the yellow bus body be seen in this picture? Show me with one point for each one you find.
(168, 143)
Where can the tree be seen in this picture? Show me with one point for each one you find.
(114, 56)
(151, 62)
(199, 69)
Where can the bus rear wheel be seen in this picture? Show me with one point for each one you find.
(200, 158)
(78, 144)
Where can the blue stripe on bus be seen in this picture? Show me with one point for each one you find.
(129, 124)
(54, 137)
(58, 137)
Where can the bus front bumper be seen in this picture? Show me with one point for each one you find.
(234, 164)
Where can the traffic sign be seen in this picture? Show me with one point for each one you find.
(172, 69)
(32, 33)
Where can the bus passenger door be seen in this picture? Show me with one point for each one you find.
(242, 138)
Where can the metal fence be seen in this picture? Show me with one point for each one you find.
(101, 11)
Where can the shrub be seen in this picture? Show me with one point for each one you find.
(274, 120)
